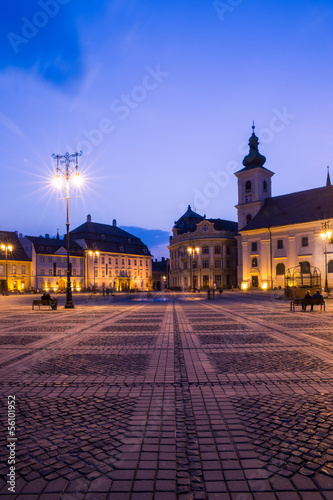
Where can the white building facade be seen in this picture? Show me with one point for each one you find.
(281, 233)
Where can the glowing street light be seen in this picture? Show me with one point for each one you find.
(67, 159)
(6, 248)
(326, 235)
(192, 252)
(94, 254)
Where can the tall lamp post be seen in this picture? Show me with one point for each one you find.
(326, 235)
(67, 159)
(94, 254)
(6, 248)
(192, 252)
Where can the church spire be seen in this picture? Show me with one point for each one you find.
(328, 180)
(254, 158)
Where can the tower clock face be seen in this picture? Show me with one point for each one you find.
(248, 198)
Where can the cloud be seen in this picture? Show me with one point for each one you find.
(44, 36)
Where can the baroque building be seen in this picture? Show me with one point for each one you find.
(281, 236)
(15, 264)
(115, 259)
(203, 253)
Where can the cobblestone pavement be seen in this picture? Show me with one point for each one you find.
(228, 399)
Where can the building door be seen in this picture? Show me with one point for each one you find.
(205, 281)
(255, 281)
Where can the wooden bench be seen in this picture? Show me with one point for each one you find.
(48, 303)
(307, 302)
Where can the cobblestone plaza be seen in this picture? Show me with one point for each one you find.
(154, 399)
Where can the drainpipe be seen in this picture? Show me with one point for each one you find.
(270, 255)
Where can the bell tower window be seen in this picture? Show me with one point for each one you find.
(248, 186)
(248, 218)
(265, 186)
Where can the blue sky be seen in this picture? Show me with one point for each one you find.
(160, 96)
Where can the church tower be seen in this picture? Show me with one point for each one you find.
(254, 183)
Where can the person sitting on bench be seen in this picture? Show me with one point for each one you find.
(47, 296)
(316, 295)
(305, 299)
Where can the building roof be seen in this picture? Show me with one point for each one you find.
(189, 221)
(295, 208)
(160, 266)
(45, 245)
(18, 253)
(107, 238)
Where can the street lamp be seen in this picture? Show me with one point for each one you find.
(94, 254)
(6, 248)
(67, 159)
(192, 252)
(326, 235)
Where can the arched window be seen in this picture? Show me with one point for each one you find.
(254, 262)
(265, 186)
(330, 266)
(248, 218)
(248, 186)
(280, 269)
(305, 267)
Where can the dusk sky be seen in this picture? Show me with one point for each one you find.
(160, 97)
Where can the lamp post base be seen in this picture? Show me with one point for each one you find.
(69, 305)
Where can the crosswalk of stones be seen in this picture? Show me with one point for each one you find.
(179, 399)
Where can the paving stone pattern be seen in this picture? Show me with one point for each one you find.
(227, 399)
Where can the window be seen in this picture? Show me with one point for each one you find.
(147, 274)
(110, 273)
(264, 185)
(42, 258)
(2, 269)
(330, 266)
(205, 264)
(58, 260)
(59, 272)
(205, 249)
(50, 259)
(135, 262)
(23, 269)
(140, 262)
(280, 244)
(254, 262)
(146, 263)
(42, 272)
(103, 273)
(95, 272)
(116, 261)
(50, 272)
(14, 268)
(280, 269)
(122, 262)
(254, 246)
(205, 228)
(228, 250)
(129, 262)
(103, 260)
(305, 267)
(218, 263)
(305, 241)
(217, 249)
(121, 248)
(228, 264)
(248, 186)
(248, 218)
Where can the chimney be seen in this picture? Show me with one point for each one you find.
(47, 236)
(88, 218)
(20, 235)
(114, 222)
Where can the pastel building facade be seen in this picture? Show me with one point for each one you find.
(203, 253)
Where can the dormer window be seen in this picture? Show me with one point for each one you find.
(248, 186)
(205, 227)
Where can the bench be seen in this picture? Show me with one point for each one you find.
(307, 302)
(48, 303)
